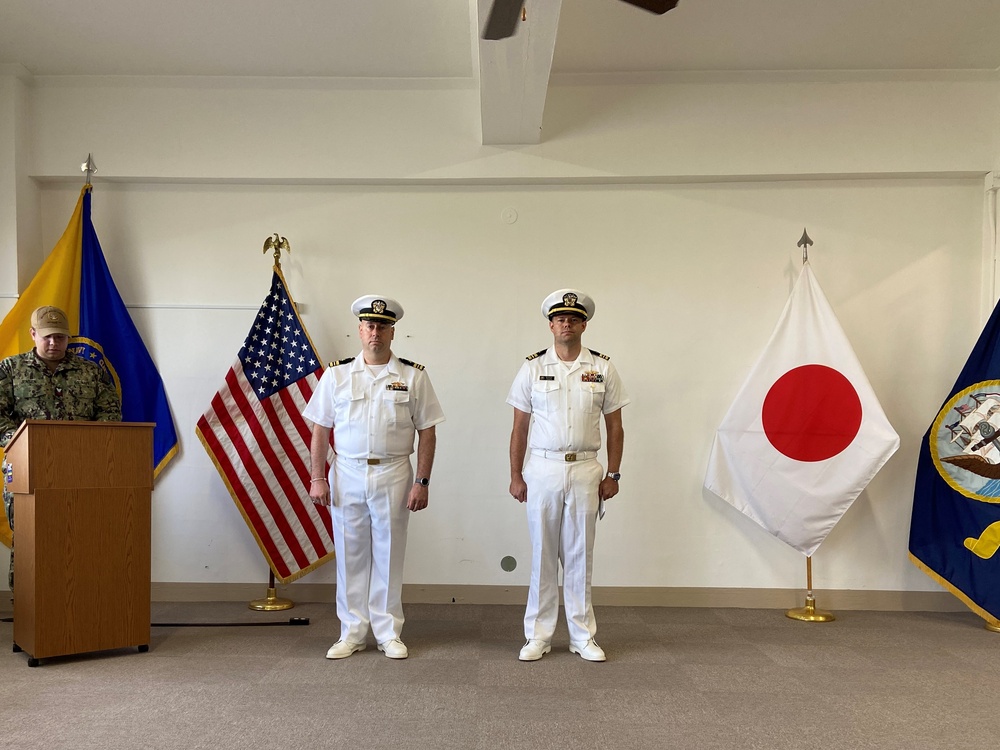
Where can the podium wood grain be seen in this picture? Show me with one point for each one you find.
(82, 525)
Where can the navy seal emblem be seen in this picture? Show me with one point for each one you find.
(965, 442)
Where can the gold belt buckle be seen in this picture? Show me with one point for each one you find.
(374, 461)
(571, 457)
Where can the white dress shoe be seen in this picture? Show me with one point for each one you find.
(588, 650)
(394, 649)
(534, 650)
(343, 649)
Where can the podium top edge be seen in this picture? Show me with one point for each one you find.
(84, 423)
(75, 423)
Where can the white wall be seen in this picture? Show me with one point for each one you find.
(210, 130)
(390, 192)
(688, 280)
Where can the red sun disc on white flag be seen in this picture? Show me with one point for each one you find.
(811, 413)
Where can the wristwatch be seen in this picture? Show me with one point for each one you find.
(422, 481)
(614, 475)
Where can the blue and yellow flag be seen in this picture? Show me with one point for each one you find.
(955, 525)
(75, 278)
(56, 283)
(108, 336)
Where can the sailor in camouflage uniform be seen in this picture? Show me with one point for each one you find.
(562, 393)
(50, 383)
(374, 404)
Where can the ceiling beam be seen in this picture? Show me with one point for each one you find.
(514, 75)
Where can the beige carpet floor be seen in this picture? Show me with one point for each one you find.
(675, 678)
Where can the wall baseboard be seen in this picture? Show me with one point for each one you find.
(618, 596)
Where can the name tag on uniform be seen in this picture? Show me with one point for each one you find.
(397, 386)
(592, 376)
(546, 377)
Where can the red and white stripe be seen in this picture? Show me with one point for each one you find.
(261, 449)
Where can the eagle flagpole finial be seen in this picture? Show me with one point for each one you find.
(277, 243)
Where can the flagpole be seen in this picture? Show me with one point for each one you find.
(271, 603)
(804, 242)
(809, 613)
(88, 167)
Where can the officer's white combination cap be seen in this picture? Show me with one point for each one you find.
(377, 307)
(568, 301)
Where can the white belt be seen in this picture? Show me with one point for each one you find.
(372, 461)
(565, 455)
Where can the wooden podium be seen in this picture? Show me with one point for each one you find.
(82, 527)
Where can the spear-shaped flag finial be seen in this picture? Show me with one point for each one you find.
(89, 167)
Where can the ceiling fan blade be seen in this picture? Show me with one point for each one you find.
(659, 7)
(503, 18)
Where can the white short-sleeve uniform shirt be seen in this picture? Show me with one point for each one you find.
(566, 402)
(374, 417)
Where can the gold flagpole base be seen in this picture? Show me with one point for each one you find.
(992, 628)
(809, 613)
(272, 603)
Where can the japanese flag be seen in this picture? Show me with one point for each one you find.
(806, 433)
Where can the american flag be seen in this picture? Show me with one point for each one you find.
(259, 442)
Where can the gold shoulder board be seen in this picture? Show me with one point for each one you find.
(411, 364)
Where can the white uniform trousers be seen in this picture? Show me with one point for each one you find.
(562, 521)
(370, 519)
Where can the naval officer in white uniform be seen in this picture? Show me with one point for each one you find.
(562, 392)
(374, 404)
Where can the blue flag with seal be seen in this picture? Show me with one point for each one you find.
(108, 337)
(955, 523)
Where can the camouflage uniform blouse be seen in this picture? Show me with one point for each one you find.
(76, 390)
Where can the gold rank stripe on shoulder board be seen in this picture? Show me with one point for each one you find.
(598, 354)
(536, 355)
(341, 362)
(411, 364)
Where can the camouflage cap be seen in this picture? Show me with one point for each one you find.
(48, 320)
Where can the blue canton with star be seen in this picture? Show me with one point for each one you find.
(276, 352)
